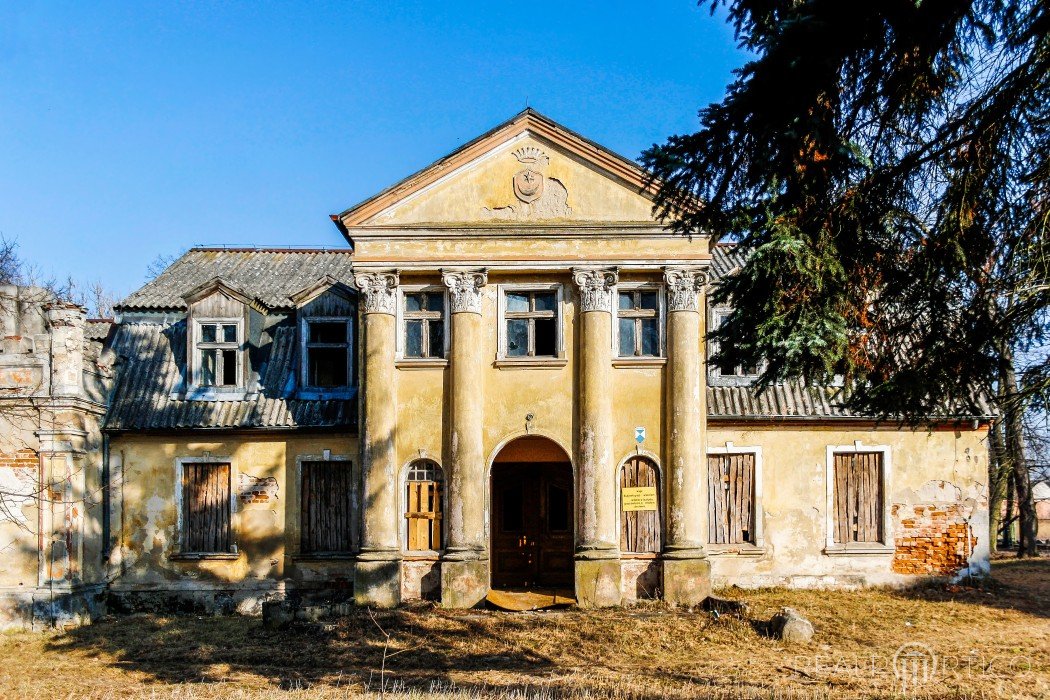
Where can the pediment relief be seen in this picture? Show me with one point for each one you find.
(529, 169)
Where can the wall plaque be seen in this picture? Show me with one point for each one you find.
(639, 498)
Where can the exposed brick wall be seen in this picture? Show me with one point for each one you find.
(24, 458)
(932, 540)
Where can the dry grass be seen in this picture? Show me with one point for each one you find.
(991, 642)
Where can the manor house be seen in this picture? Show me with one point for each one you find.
(500, 383)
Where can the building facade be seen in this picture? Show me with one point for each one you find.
(501, 383)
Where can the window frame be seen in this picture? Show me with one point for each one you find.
(307, 390)
(661, 322)
(199, 346)
(443, 501)
(505, 360)
(714, 319)
(402, 326)
(886, 545)
(759, 544)
(180, 497)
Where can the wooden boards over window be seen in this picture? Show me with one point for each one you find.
(206, 508)
(423, 506)
(731, 504)
(858, 497)
(640, 529)
(327, 507)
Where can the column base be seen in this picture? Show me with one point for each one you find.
(377, 582)
(686, 581)
(598, 583)
(464, 584)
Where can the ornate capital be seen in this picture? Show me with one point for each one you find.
(683, 284)
(379, 290)
(464, 289)
(595, 287)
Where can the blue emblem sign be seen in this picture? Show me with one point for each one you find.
(639, 435)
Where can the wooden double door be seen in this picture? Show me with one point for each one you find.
(532, 526)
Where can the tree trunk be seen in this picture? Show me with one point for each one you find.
(1013, 424)
(999, 475)
(1008, 525)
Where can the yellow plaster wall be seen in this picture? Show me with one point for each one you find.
(486, 182)
(942, 466)
(266, 533)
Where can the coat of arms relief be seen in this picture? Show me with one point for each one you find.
(539, 196)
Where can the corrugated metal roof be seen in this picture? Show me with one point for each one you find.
(725, 259)
(151, 358)
(271, 276)
(97, 329)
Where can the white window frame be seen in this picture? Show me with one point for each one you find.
(832, 547)
(714, 320)
(502, 360)
(402, 327)
(196, 341)
(403, 502)
(180, 526)
(306, 390)
(759, 545)
(661, 322)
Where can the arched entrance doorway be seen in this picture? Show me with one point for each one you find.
(532, 526)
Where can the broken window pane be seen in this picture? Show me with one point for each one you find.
(626, 337)
(328, 367)
(517, 337)
(413, 338)
(413, 302)
(208, 333)
(545, 337)
(650, 337)
(517, 302)
(557, 508)
(229, 333)
(229, 367)
(437, 338)
(328, 332)
(648, 300)
(208, 362)
(436, 302)
(546, 301)
(626, 300)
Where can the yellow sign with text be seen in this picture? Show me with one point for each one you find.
(639, 498)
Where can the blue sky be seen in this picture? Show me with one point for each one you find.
(136, 129)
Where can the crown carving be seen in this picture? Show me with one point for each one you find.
(531, 155)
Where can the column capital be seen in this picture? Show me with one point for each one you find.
(379, 290)
(464, 289)
(595, 284)
(683, 284)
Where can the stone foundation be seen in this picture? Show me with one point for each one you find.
(642, 579)
(464, 584)
(686, 581)
(41, 608)
(598, 583)
(378, 583)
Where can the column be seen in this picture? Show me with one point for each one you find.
(597, 552)
(377, 576)
(465, 567)
(687, 572)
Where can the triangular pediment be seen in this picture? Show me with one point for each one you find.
(527, 170)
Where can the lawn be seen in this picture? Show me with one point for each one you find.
(989, 641)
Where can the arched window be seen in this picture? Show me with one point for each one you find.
(640, 502)
(423, 505)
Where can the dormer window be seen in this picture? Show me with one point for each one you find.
(218, 348)
(328, 357)
(726, 371)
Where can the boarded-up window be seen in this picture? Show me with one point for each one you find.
(423, 500)
(326, 507)
(731, 504)
(858, 497)
(640, 529)
(206, 508)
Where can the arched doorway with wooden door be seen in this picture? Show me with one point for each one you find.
(532, 528)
